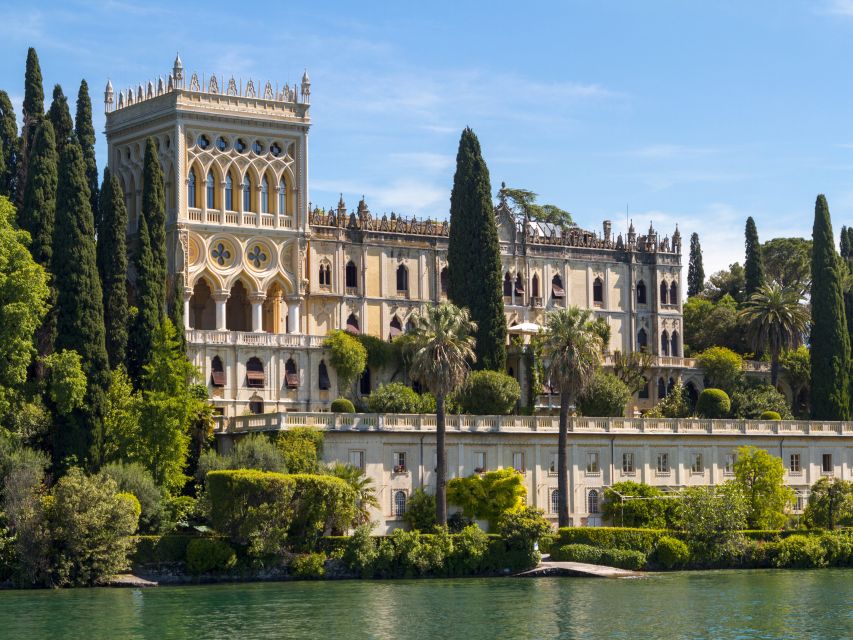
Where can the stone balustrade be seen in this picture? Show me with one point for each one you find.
(213, 337)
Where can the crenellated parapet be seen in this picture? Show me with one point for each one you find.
(363, 220)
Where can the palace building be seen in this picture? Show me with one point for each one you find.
(265, 276)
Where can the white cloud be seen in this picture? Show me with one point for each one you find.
(838, 7)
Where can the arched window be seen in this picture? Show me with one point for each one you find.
(644, 389)
(191, 189)
(592, 502)
(642, 340)
(507, 285)
(291, 376)
(229, 192)
(396, 328)
(661, 389)
(351, 275)
(364, 382)
(534, 286)
(247, 193)
(211, 191)
(399, 504)
(664, 290)
(323, 377)
(402, 279)
(265, 195)
(598, 291)
(282, 197)
(519, 285)
(325, 274)
(352, 324)
(443, 278)
(557, 287)
(555, 501)
(255, 373)
(641, 292)
(664, 344)
(673, 293)
(256, 405)
(674, 350)
(217, 372)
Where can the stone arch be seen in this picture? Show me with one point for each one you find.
(251, 284)
(202, 306)
(275, 308)
(214, 281)
(395, 327)
(238, 308)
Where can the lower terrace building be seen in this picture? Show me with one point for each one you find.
(398, 453)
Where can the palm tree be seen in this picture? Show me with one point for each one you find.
(441, 347)
(365, 494)
(571, 349)
(776, 321)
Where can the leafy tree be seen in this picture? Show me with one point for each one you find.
(66, 381)
(85, 132)
(731, 281)
(649, 510)
(776, 322)
(420, 511)
(710, 323)
(475, 276)
(676, 404)
(23, 293)
(830, 504)
(572, 349)
(365, 493)
(112, 265)
(695, 270)
(753, 266)
(488, 496)
(347, 356)
(33, 115)
(60, 118)
(606, 396)
(761, 478)
(395, 397)
(524, 201)
(830, 340)
(302, 448)
(723, 368)
(711, 519)
(79, 309)
(441, 345)
(521, 529)
(8, 147)
(253, 451)
(787, 262)
(121, 417)
(489, 393)
(633, 368)
(175, 308)
(796, 367)
(133, 478)
(750, 401)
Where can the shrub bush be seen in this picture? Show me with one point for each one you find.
(310, 566)
(723, 368)
(751, 401)
(342, 405)
(134, 478)
(646, 513)
(395, 397)
(838, 548)
(489, 393)
(769, 415)
(800, 552)
(167, 549)
(643, 540)
(606, 396)
(301, 448)
(624, 559)
(577, 553)
(209, 555)
(420, 511)
(713, 403)
(671, 553)
(520, 530)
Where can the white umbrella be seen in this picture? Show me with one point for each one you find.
(526, 327)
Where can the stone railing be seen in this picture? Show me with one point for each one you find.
(530, 424)
(751, 366)
(213, 337)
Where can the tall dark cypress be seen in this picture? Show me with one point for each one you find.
(695, 270)
(33, 114)
(37, 216)
(154, 210)
(844, 243)
(80, 311)
(176, 309)
(474, 253)
(9, 143)
(85, 131)
(112, 265)
(60, 117)
(829, 341)
(753, 266)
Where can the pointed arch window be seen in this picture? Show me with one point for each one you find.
(229, 192)
(351, 275)
(675, 347)
(191, 189)
(399, 504)
(291, 375)
(664, 290)
(661, 389)
(325, 274)
(641, 292)
(323, 380)
(255, 373)
(592, 502)
(598, 291)
(534, 286)
(352, 324)
(643, 393)
(396, 328)
(444, 281)
(211, 190)
(664, 343)
(642, 340)
(507, 285)
(557, 287)
(217, 372)
(364, 382)
(282, 197)
(519, 285)
(265, 195)
(673, 293)
(555, 501)
(247, 193)
(402, 279)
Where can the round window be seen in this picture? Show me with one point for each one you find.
(239, 145)
(275, 149)
(221, 144)
(257, 147)
(203, 142)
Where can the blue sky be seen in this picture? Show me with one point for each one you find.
(688, 112)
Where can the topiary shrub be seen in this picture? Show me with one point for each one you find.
(310, 566)
(395, 397)
(577, 553)
(209, 555)
(489, 393)
(606, 396)
(713, 403)
(342, 405)
(769, 415)
(671, 553)
(644, 540)
(624, 559)
(750, 401)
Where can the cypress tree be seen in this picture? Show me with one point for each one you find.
(33, 114)
(176, 310)
(844, 244)
(37, 217)
(80, 311)
(850, 241)
(85, 132)
(695, 270)
(753, 267)
(473, 254)
(9, 144)
(830, 341)
(154, 210)
(112, 265)
(60, 117)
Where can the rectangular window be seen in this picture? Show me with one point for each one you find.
(479, 461)
(518, 461)
(794, 467)
(356, 459)
(826, 463)
(552, 468)
(399, 461)
(696, 465)
(592, 462)
(628, 462)
(801, 502)
(663, 463)
(730, 463)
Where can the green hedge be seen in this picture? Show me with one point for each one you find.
(210, 555)
(620, 558)
(642, 540)
(153, 550)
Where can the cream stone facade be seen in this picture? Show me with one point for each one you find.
(265, 276)
(398, 453)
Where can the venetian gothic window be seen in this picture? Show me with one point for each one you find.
(402, 279)
(664, 290)
(282, 197)
(592, 502)
(351, 275)
(229, 192)
(507, 285)
(396, 328)
(265, 195)
(217, 372)
(641, 292)
(325, 274)
(673, 293)
(323, 380)
(291, 376)
(557, 287)
(247, 193)
(191, 201)
(255, 373)
(642, 340)
(674, 350)
(664, 343)
(211, 190)
(661, 389)
(555, 501)
(598, 291)
(534, 286)
(443, 278)
(352, 324)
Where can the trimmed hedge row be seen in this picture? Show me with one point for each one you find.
(642, 540)
(620, 558)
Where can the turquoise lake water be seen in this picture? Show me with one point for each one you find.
(724, 604)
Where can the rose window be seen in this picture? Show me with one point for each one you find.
(221, 254)
(257, 257)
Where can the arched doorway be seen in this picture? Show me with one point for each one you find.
(238, 310)
(274, 309)
(202, 307)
